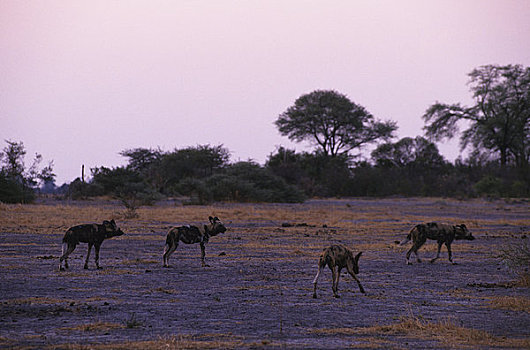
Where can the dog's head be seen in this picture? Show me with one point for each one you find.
(461, 232)
(111, 229)
(216, 226)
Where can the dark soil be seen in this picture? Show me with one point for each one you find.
(262, 297)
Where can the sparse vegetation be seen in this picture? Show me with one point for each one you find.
(98, 326)
(263, 281)
(518, 303)
(517, 257)
(445, 331)
(133, 322)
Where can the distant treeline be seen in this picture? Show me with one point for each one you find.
(409, 167)
(204, 174)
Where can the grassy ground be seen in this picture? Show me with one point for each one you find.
(257, 291)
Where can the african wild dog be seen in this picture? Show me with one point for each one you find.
(93, 234)
(443, 233)
(338, 257)
(192, 234)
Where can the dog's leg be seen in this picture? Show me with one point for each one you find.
(203, 254)
(168, 250)
(315, 280)
(437, 254)
(64, 256)
(335, 285)
(449, 253)
(408, 255)
(97, 246)
(356, 279)
(417, 256)
(415, 247)
(88, 255)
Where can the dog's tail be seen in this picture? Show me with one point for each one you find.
(408, 238)
(64, 247)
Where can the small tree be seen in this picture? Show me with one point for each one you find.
(332, 122)
(126, 185)
(18, 183)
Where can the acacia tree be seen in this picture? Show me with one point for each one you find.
(499, 121)
(331, 121)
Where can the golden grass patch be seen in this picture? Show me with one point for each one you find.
(167, 343)
(517, 303)
(37, 300)
(98, 326)
(445, 331)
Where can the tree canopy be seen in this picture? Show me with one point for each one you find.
(331, 121)
(408, 151)
(499, 121)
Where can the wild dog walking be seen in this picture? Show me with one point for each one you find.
(93, 234)
(442, 233)
(338, 257)
(192, 234)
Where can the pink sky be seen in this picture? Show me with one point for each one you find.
(81, 81)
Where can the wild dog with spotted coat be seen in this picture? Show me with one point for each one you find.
(192, 234)
(337, 257)
(442, 233)
(93, 234)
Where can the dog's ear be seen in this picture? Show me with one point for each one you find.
(211, 219)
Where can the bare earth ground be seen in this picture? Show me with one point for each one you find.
(257, 291)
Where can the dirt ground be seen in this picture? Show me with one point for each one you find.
(257, 290)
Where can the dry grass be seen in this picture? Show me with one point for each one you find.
(55, 219)
(98, 326)
(170, 343)
(38, 301)
(372, 220)
(445, 331)
(372, 228)
(518, 303)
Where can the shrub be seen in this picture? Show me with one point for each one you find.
(490, 186)
(13, 192)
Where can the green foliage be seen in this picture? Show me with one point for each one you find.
(125, 184)
(408, 152)
(12, 192)
(19, 183)
(240, 182)
(194, 188)
(79, 189)
(315, 173)
(490, 186)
